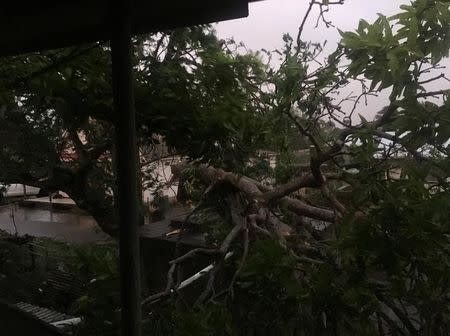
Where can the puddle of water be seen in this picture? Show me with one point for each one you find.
(62, 225)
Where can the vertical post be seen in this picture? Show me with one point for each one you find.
(126, 168)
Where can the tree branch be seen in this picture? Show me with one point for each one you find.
(433, 93)
(252, 191)
(305, 181)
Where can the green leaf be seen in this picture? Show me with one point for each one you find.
(413, 31)
(393, 62)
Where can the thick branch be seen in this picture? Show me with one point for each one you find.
(303, 209)
(305, 181)
(251, 190)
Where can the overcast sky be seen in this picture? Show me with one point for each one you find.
(270, 19)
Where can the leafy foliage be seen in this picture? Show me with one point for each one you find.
(192, 91)
(382, 266)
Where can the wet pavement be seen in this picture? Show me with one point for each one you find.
(69, 226)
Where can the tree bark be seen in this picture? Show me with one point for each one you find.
(255, 191)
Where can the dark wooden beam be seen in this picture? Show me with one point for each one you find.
(126, 198)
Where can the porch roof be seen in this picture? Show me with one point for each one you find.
(50, 24)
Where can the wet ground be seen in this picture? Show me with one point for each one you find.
(70, 226)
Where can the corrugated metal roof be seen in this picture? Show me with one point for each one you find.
(65, 282)
(44, 314)
(17, 322)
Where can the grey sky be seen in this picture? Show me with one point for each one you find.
(269, 19)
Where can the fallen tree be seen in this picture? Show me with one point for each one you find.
(356, 240)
